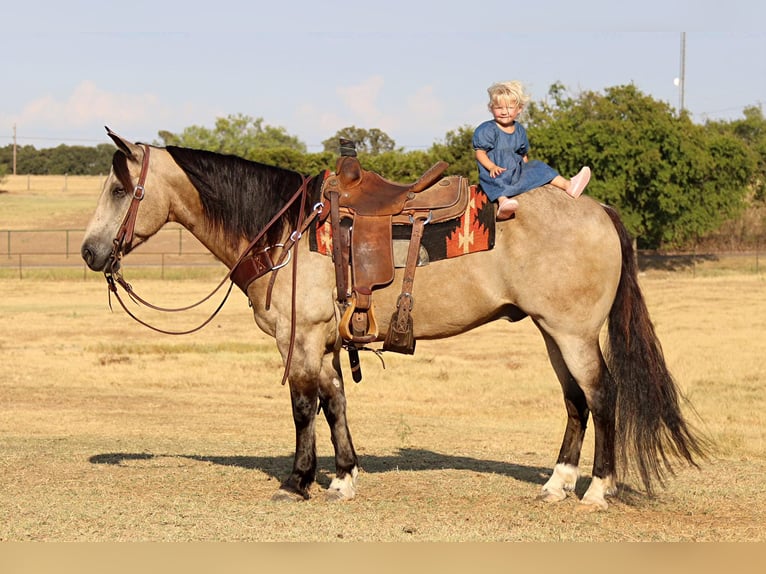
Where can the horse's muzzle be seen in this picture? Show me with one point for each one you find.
(95, 260)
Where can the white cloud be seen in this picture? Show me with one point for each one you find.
(88, 104)
(402, 114)
(356, 105)
(88, 108)
(364, 110)
(361, 99)
(425, 106)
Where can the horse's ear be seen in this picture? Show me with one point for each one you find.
(129, 149)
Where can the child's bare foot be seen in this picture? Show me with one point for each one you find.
(506, 209)
(577, 183)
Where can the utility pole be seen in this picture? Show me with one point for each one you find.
(682, 80)
(14, 149)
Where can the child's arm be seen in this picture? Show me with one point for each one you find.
(483, 159)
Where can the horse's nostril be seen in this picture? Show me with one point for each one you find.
(87, 255)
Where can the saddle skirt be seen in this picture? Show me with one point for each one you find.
(471, 231)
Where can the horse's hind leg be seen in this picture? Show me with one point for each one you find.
(565, 473)
(587, 388)
(332, 399)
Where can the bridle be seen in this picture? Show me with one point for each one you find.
(123, 241)
(264, 264)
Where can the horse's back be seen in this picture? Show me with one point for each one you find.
(558, 257)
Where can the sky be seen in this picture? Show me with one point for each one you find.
(413, 69)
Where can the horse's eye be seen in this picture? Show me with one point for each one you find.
(118, 192)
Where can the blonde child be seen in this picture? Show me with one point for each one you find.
(501, 147)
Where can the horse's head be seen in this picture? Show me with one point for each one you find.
(120, 189)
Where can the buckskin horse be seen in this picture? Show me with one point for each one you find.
(566, 264)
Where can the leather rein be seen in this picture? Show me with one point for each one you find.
(123, 243)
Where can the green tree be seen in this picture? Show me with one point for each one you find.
(751, 130)
(672, 180)
(27, 159)
(235, 134)
(74, 160)
(398, 166)
(308, 164)
(457, 150)
(371, 142)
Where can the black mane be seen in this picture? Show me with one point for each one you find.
(240, 196)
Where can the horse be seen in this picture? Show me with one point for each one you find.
(566, 264)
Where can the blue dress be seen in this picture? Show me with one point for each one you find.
(508, 151)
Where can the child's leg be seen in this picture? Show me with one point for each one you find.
(574, 186)
(560, 182)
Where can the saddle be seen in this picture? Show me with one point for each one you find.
(364, 207)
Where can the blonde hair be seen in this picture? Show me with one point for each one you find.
(507, 93)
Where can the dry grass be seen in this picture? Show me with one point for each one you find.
(47, 201)
(112, 432)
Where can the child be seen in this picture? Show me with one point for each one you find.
(501, 147)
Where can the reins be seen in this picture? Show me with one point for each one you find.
(124, 238)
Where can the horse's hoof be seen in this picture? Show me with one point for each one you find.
(599, 489)
(563, 479)
(282, 495)
(592, 504)
(343, 488)
(332, 495)
(552, 495)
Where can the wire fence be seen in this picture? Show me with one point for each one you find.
(173, 251)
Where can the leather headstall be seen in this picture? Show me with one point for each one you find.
(123, 241)
(250, 265)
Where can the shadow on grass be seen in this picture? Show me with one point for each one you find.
(407, 459)
(655, 262)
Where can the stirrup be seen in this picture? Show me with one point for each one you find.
(345, 329)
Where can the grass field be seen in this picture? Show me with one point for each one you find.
(110, 432)
(48, 202)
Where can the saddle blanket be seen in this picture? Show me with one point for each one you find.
(473, 231)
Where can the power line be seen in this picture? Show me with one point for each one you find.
(58, 139)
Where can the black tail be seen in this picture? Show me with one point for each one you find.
(651, 430)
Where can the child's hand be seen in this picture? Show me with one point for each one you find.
(495, 171)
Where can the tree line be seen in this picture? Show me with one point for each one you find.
(672, 180)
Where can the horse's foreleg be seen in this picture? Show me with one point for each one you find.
(332, 399)
(304, 402)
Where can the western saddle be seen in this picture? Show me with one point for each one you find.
(363, 208)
